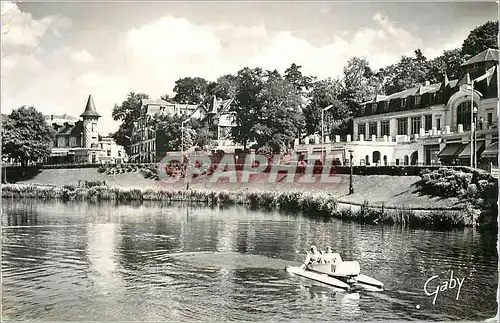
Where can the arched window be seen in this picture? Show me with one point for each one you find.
(367, 160)
(463, 115)
(376, 157)
(406, 162)
(385, 160)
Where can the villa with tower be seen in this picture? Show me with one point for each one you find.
(78, 141)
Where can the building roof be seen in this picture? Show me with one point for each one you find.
(90, 110)
(488, 55)
(155, 102)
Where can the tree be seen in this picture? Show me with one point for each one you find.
(280, 119)
(247, 106)
(448, 63)
(325, 93)
(26, 136)
(190, 90)
(224, 88)
(297, 79)
(128, 113)
(407, 73)
(481, 38)
(168, 131)
(360, 83)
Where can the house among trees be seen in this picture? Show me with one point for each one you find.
(149, 144)
(78, 141)
(429, 124)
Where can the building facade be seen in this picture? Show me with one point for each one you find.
(148, 144)
(78, 141)
(429, 124)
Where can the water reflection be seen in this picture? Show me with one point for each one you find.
(175, 262)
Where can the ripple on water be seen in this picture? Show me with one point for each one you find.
(162, 266)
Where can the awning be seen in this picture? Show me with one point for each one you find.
(491, 151)
(57, 153)
(466, 152)
(451, 150)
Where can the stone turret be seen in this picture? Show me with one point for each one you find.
(90, 121)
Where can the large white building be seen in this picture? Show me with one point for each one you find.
(426, 125)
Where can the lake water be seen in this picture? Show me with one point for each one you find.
(79, 261)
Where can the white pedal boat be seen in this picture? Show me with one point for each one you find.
(342, 274)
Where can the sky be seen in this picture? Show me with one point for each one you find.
(55, 54)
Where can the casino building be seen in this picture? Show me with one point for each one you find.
(427, 125)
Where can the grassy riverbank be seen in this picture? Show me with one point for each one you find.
(315, 204)
(377, 190)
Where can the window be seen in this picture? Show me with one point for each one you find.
(403, 126)
(94, 127)
(109, 152)
(428, 122)
(415, 125)
(374, 108)
(94, 140)
(66, 141)
(463, 115)
(417, 100)
(372, 129)
(361, 129)
(490, 118)
(119, 153)
(385, 129)
(438, 123)
(403, 102)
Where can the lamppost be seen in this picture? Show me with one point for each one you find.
(182, 149)
(351, 190)
(474, 143)
(472, 124)
(323, 152)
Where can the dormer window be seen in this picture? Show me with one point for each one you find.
(403, 102)
(417, 100)
(374, 107)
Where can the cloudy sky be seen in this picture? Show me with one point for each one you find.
(55, 54)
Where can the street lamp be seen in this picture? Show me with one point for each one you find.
(351, 190)
(323, 130)
(474, 143)
(472, 124)
(182, 147)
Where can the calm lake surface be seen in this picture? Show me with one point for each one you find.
(79, 261)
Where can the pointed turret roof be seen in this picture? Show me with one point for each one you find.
(487, 55)
(90, 110)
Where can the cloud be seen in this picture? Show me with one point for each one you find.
(21, 29)
(82, 56)
(149, 58)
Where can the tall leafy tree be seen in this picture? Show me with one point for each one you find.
(224, 88)
(247, 105)
(448, 63)
(128, 113)
(281, 118)
(481, 38)
(360, 83)
(190, 90)
(324, 93)
(408, 72)
(168, 130)
(294, 75)
(26, 136)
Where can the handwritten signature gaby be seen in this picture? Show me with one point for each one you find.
(449, 284)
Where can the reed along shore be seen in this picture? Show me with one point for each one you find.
(312, 204)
